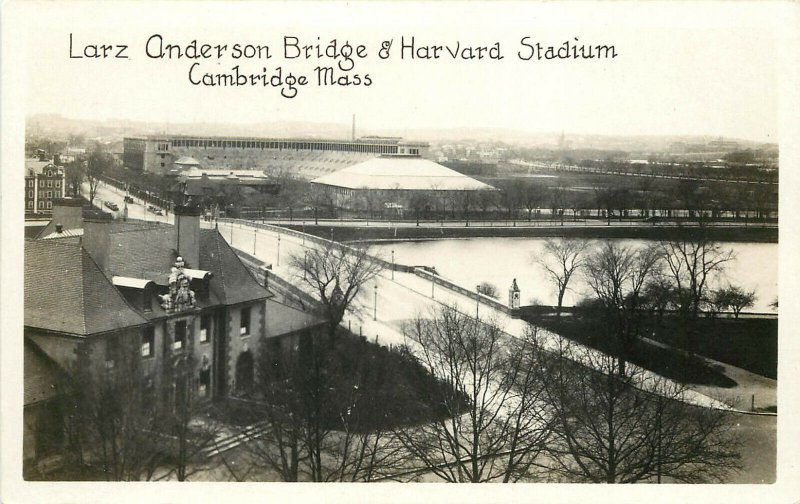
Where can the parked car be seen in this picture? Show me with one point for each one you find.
(128, 199)
(111, 205)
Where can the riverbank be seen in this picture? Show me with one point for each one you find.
(358, 232)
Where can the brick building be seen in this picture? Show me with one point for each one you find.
(44, 183)
(179, 294)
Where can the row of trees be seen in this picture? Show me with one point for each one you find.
(495, 408)
(635, 286)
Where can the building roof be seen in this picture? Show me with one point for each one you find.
(231, 282)
(67, 233)
(186, 161)
(66, 292)
(403, 173)
(35, 166)
(148, 252)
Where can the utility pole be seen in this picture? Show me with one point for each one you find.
(279, 250)
(392, 264)
(375, 306)
(477, 300)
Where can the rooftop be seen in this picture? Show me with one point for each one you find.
(401, 172)
(66, 292)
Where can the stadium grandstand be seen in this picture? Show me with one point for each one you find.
(299, 157)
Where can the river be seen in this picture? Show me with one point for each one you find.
(471, 261)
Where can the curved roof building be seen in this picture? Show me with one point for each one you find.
(404, 173)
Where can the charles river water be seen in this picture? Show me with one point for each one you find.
(498, 261)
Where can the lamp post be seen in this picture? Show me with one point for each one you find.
(392, 264)
(477, 300)
(255, 236)
(375, 306)
(432, 284)
(305, 264)
(279, 250)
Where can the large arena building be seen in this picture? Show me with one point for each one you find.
(302, 157)
(398, 182)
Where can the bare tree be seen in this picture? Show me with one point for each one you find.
(336, 273)
(111, 416)
(489, 289)
(532, 197)
(692, 262)
(613, 428)
(562, 258)
(323, 414)
(99, 162)
(491, 426)
(619, 276)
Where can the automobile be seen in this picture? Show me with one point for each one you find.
(111, 205)
(128, 199)
(158, 211)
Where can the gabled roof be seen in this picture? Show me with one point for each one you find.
(231, 282)
(403, 173)
(65, 291)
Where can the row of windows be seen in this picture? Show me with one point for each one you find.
(46, 194)
(264, 144)
(42, 205)
(45, 183)
(181, 334)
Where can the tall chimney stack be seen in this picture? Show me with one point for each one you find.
(187, 222)
(97, 238)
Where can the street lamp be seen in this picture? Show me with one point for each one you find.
(432, 284)
(392, 264)
(279, 250)
(305, 264)
(477, 299)
(255, 236)
(375, 306)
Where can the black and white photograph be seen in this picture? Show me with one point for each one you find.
(395, 245)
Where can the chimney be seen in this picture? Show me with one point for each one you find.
(59, 228)
(97, 239)
(68, 212)
(187, 223)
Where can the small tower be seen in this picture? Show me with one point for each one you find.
(513, 296)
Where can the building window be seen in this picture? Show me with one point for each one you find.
(58, 183)
(148, 342)
(41, 205)
(162, 165)
(49, 204)
(30, 204)
(205, 324)
(244, 325)
(30, 194)
(180, 335)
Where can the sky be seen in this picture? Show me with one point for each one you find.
(683, 68)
